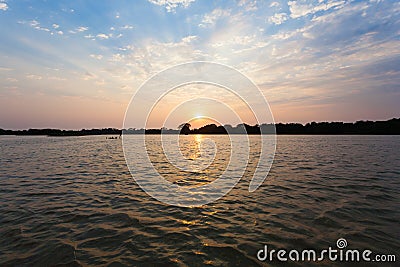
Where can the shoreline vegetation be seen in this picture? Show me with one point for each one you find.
(388, 127)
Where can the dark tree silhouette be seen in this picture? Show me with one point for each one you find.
(391, 126)
(184, 128)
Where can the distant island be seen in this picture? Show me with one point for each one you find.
(389, 127)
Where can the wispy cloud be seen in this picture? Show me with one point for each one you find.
(126, 48)
(12, 80)
(127, 27)
(82, 29)
(210, 19)
(302, 8)
(96, 56)
(90, 36)
(102, 36)
(37, 26)
(171, 5)
(34, 77)
(56, 78)
(248, 5)
(189, 39)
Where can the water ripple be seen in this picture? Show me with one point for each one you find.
(70, 201)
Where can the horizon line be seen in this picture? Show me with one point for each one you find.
(275, 123)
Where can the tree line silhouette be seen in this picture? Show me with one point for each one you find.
(389, 127)
(58, 132)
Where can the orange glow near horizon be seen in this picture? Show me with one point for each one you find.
(200, 121)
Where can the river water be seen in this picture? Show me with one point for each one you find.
(71, 201)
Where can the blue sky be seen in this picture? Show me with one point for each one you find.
(76, 64)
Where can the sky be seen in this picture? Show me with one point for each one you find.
(76, 64)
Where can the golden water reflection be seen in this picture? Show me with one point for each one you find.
(203, 164)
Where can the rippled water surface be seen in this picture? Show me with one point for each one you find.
(71, 201)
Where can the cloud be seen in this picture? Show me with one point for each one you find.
(117, 58)
(82, 29)
(235, 41)
(55, 26)
(328, 68)
(34, 24)
(3, 6)
(314, 60)
(171, 5)
(302, 8)
(79, 29)
(135, 64)
(96, 56)
(210, 20)
(248, 5)
(126, 48)
(68, 10)
(103, 36)
(189, 39)
(56, 78)
(42, 29)
(127, 27)
(278, 18)
(274, 4)
(34, 77)
(12, 80)
(90, 36)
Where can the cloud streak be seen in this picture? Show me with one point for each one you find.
(303, 8)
